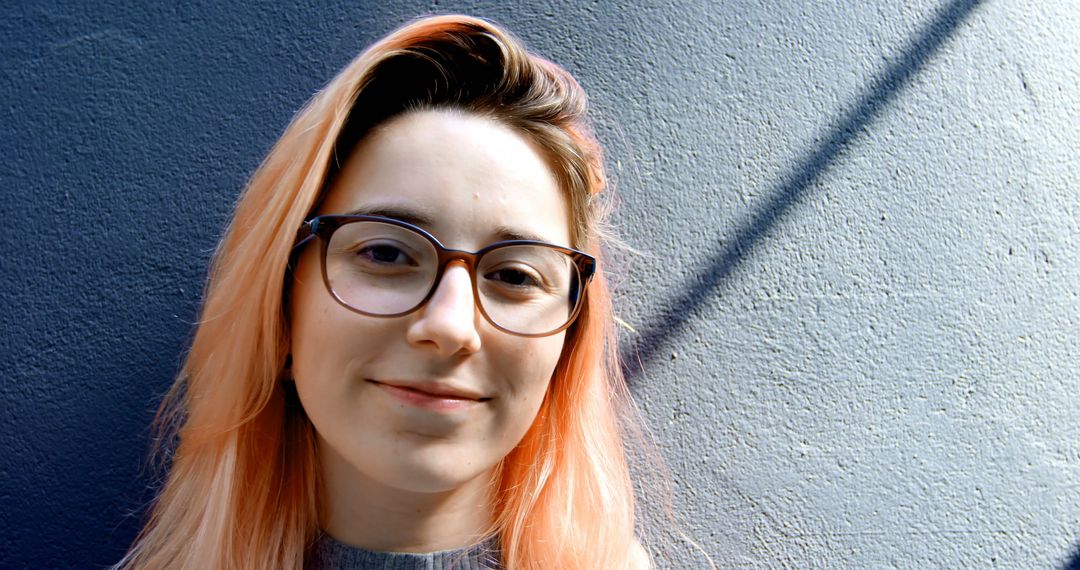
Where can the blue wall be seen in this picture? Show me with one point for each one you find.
(851, 281)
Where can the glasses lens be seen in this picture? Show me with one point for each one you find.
(528, 289)
(378, 268)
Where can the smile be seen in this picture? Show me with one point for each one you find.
(432, 396)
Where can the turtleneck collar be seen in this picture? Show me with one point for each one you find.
(329, 554)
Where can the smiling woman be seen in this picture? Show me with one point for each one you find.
(424, 373)
(397, 403)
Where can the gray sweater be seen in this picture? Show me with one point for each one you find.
(329, 554)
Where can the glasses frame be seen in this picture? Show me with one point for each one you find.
(323, 228)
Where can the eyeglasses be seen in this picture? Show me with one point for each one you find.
(382, 267)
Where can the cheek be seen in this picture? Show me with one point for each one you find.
(529, 366)
(331, 349)
(323, 343)
(305, 292)
(309, 317)
(528, 370)
(312, 348)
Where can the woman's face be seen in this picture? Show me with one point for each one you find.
(367, 383)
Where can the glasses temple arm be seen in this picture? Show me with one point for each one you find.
(306, 233)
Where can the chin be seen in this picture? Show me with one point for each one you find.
(438, 468)
(433, 484)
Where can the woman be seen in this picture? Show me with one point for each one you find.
(406, 343)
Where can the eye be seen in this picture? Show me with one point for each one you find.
(514, 277)
(382, 255)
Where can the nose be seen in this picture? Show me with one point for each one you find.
(447, 323)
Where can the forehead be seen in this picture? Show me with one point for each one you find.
(468, 179)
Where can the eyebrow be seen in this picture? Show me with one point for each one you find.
(425, 220)
(414, 217)
(506, 233)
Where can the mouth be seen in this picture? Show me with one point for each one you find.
(431, 395)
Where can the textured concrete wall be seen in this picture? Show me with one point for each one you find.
(855, 305)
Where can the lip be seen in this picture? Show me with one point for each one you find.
(431, 395)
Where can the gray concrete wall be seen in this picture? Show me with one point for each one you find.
(855, 303)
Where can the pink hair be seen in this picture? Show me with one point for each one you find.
(242, 490)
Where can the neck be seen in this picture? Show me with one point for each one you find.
(360, 511)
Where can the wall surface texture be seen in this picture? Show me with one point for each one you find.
(850, 288)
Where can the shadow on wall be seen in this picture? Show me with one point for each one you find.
(1074, 561)
(674, 314)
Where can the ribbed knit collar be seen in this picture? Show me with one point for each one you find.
(329, 554)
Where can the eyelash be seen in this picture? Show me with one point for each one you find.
(534, 280)
(375, 247)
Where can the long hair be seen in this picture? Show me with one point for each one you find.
(242, 490)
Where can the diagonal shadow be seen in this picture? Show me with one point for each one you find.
(673, 318)
(1074, 561)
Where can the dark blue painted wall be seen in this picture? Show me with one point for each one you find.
(128, 131)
